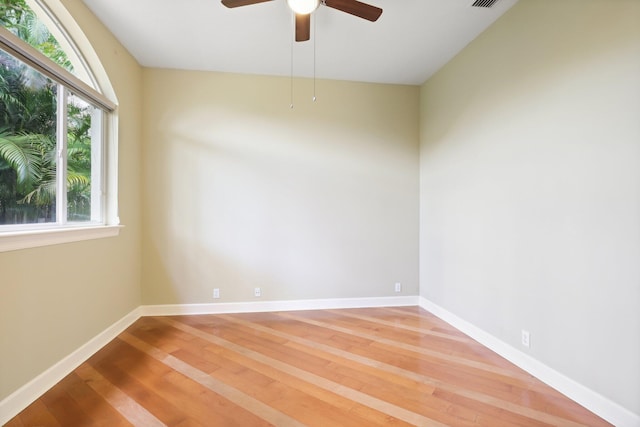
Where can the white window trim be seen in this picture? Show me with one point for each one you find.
(35, 59)
(12, 239)
(17, 240)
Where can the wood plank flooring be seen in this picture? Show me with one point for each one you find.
(353, 367)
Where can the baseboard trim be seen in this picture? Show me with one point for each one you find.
(596, 403)
(13, 404)
(287, 305)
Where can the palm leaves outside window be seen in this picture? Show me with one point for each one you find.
(28, 150)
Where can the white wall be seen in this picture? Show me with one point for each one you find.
(319, 201)
(530, 188)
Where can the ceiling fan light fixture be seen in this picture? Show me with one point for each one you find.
(303, 7)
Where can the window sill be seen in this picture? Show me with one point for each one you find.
(16, 240)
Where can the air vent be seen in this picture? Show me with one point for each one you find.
(484, 3)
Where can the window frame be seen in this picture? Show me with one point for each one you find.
(23, 236)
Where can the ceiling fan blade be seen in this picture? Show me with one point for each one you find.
(238, 3)
(303, 27)
(356, 8)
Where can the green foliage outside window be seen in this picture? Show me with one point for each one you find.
(28, 146)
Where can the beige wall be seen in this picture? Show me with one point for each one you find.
(320, 201)
(530, 188)
(54, 299)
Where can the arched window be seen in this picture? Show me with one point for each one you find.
(55, 128)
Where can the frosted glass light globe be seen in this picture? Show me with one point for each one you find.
(303, 7)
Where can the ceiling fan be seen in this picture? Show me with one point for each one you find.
(304, 8)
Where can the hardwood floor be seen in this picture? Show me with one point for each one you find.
(354, 367)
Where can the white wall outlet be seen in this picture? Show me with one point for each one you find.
(216, 293)
(398, 287)
(257, 292)
(526, 338)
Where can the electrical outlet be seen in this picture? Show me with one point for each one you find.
(526, 338)
(257, 292)
(216, 293)
(398, 287)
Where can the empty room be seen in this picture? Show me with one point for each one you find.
(320, 213)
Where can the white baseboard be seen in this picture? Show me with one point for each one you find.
(263, 306)
(13, 404)
(596, 403)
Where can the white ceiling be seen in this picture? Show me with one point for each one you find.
(411, 40)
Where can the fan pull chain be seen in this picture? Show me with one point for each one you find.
(315, 36)
(291, 77)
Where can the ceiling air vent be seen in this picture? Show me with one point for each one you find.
(484, 3)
